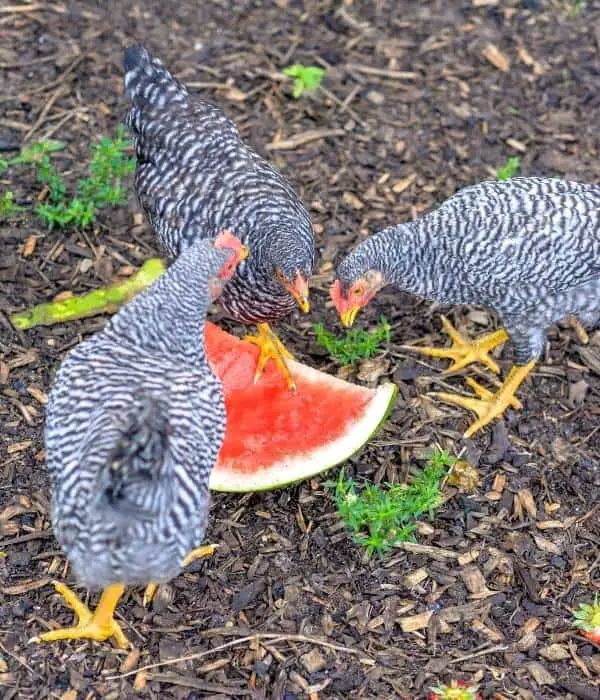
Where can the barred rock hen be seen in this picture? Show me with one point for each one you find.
(134, 425)
(528, 248)
(195, 177)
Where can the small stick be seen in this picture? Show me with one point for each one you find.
(99, 301)
(273, 636)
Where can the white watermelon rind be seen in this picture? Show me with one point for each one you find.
(299, 467)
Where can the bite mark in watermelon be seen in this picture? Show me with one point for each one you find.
(275, 437)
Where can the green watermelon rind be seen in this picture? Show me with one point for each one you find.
(281, 474)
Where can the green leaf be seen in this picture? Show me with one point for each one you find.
(307, 78)
(509, 169)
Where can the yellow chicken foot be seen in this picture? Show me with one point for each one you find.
(271, 348)
(98, 625)
(489, 405)
(464, 351)
(199, 553)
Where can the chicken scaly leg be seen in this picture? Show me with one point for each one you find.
(98, 625)
(463, 351)
(271, 348)
(489, 405)
(199, 553)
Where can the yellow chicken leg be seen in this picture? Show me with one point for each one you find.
(199, 553)
(98, 625)
(463, 351)
(489, 405)
(271, 348)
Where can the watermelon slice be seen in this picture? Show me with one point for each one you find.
(274, 437)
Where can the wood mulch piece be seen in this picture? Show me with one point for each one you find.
(419, 99)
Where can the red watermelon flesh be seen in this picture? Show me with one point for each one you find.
(275, 437)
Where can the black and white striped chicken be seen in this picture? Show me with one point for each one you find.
(195, 177)
(134, 425)
(528, 248)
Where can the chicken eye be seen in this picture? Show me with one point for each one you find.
(358, 291)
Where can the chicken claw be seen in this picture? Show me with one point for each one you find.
(488, 405)
(271, 348)
(464, 351)
(98, 625)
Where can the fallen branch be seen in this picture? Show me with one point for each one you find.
(99, 301)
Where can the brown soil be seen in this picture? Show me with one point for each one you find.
(417, 110)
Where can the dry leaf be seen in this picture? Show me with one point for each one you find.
(414, 578)
(496, 58)
(523, 501)
(353, 201)
(540, 673)
(464, 476)
(370, 370)
(415, 622)
(475, 582)
(528, 60)
(491, 634)
(235, 95)
(555, 652)
(546, 545)
(516, 145)
(39, 395)
(29, 246)
(404, 184)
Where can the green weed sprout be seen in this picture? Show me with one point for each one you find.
(381, 516)
(306, 78)
(509, 169)
(8, 207)
(357, 344)
(102, 187)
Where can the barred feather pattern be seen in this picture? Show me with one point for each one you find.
(528, 248)
(196, 177)
(134, 424)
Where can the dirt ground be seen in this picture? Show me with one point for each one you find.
(419, 99)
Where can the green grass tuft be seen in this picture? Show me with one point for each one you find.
(509, 169)
(357, 344)
(381, 516)
(306, 78)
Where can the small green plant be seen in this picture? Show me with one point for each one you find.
(306, 78)
(575, 8)
(509, 169)
(103, 185)
(356, 345)
(587, 619)
(8, 207)
(381, 516)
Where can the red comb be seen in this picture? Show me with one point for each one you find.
(226, 239)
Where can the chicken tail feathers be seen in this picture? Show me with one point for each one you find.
(147, 81)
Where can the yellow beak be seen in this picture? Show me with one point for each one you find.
(347, 317)
(299, 290)
(303, 303)
(244, 252)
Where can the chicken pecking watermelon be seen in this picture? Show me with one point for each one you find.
(274, 437)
